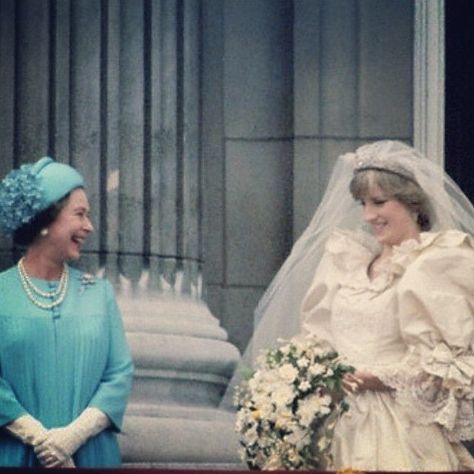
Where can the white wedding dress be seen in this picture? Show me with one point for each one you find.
(413, 327)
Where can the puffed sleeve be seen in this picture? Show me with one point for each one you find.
(316, 305)
(112, 394)
(436, 311)
(345, 253)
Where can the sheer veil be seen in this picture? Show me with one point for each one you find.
(278, 312)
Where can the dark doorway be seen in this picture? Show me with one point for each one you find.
(459, 135)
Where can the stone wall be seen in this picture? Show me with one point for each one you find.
(287, 87)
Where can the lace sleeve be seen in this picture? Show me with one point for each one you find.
(436, 390)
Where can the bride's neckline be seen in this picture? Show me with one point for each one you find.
(378, 266)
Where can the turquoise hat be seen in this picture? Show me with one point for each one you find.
(56, 179)
(26, 191)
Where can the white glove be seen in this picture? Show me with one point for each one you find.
(27, 429)
(55, 459)
(69, 462)
(31, 432)
(61, 443)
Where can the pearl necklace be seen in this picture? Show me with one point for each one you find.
(33, 292)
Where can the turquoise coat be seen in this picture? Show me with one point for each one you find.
(55, 363)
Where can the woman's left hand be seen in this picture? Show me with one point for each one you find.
(360, 381)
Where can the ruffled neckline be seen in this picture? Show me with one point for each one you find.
(352, 253)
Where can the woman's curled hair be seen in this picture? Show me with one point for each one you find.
(29, 232)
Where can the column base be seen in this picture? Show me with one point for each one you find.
(180, 436)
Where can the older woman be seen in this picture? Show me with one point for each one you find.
(65, 368)
(389, 284)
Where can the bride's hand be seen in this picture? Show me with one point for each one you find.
(361, 381)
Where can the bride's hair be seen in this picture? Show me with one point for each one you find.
(395, 186)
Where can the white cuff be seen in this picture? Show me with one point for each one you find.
(27, 429)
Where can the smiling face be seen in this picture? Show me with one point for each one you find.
(71, 227)
(391, 221)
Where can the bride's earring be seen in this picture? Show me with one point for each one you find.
(44, 232)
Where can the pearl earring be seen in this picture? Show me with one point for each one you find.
(44, 232)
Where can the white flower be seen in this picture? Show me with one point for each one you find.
(265, 408)
(298, 437)
(261, 382)
(283, 395)
(288, 373)
(304, 386)
(302, 363)
(317, 369)
(311, 406)
(284, 419)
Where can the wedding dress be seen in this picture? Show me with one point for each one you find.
(412, 326)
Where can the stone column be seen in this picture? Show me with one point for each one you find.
(113, 87)
(183, 364)
(153, 216)
(428, 79)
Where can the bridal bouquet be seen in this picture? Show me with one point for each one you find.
(288, 408)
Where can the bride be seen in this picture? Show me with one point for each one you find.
(384, 274)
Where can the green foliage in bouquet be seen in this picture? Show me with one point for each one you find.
(287, 409)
